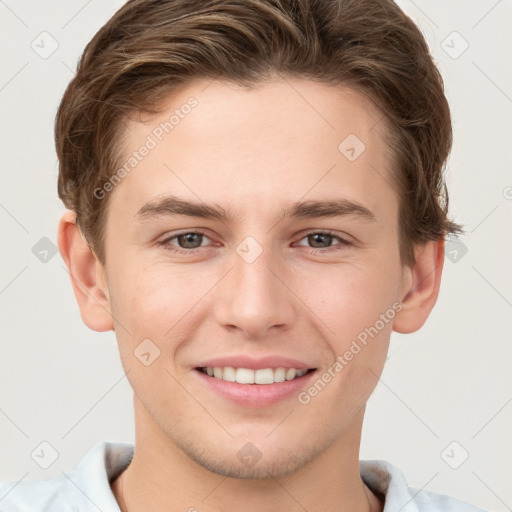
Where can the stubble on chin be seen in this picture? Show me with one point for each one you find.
(231, 462)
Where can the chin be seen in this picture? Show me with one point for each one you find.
(270, 466)
(248, 462)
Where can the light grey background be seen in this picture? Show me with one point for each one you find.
(63, 384)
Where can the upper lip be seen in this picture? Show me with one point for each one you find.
(244, 361)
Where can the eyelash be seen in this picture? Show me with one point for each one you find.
(180, 250)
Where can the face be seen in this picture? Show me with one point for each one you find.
(255, 236)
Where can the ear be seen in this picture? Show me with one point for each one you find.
(87, 275)
(422, 284)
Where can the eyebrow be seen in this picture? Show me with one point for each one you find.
(172, 205)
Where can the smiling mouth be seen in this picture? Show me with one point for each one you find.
(249, 376)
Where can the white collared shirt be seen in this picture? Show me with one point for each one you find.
(87, 488)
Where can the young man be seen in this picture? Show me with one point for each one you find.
(256, 201)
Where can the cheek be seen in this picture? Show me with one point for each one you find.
(158, 302)
(357, 307)
(153, 311)
(349, 299)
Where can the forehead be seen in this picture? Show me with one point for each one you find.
(285, 138)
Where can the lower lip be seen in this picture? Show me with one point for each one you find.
(256, 395)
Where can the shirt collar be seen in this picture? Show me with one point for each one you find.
(386, 481)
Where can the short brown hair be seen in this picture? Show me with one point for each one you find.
(150, 48)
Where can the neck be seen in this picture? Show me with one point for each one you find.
(162, 477)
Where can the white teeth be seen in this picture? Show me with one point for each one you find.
(290, 374)
(265, 376)
(248, 376)
(229, 374)
(244, 376)
(279, 375)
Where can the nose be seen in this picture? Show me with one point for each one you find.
(255, 297)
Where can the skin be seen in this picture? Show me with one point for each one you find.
(253, 152)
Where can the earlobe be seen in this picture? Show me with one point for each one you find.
(87, 276)
(425, 278)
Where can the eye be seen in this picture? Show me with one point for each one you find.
(322, 241)
(190, 242)
(184, 243)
